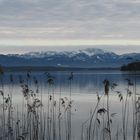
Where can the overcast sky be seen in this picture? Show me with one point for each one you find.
(37, 25)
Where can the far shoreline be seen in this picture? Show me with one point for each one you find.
(52, 68)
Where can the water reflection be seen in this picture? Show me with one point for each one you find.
(84, 82)
(84, 87)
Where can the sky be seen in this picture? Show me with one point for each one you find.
(41, 25)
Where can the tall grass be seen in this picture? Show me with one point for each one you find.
(47, 118)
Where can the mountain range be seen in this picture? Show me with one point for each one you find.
(86, 58)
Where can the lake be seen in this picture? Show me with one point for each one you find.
(78, 108)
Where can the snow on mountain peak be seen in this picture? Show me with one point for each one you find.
(89, 52)
(93, 51)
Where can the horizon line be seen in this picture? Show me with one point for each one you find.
(68, 42)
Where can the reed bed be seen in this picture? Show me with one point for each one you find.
(37, 118)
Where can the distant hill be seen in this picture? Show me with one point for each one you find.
(135, 66)
(86, 58)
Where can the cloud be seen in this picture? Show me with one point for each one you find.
(70, 19)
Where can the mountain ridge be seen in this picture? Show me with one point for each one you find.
(90, 57)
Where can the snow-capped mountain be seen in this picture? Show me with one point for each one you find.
(90, 57)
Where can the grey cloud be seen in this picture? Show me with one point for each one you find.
(72, 19)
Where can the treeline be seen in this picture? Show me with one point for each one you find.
(135, 66)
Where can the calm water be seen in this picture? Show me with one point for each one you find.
(84, 87)
(88, 82)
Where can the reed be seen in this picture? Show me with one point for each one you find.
(47, 118)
